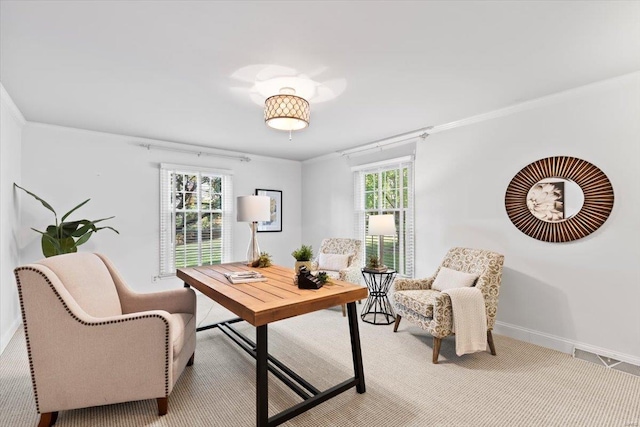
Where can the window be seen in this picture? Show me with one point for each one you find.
(387, 188)
(195, 217)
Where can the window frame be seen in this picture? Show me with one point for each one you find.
(405, 236)
(168, 213)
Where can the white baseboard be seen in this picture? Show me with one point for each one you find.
(559, 343)
(6, 337)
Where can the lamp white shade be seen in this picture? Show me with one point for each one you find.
(253, 208)
(382, 225)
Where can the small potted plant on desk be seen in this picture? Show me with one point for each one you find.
(303, 257)
(323, 277)
(263, 261)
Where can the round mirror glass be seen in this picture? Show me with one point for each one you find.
(555, 199)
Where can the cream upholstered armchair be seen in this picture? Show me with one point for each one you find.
(431, 309)
(93, 341)
(341, 259)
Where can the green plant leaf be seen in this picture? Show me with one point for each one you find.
(52, 231)
(49, 249)
(70, 228)
(50, 245)
(73, 228)
(110, 228)
(305, 253)
(102, 219)
(68, 245)
(65, 237)
(46, 233)
(82, 240)
(71, 211)
(44, 203)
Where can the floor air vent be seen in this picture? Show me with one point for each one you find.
(605, 361)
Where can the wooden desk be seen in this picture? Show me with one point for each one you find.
(261, 303)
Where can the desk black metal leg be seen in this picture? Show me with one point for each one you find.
(262, 379)
(355, 347)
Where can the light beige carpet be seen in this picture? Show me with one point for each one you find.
(524, 385)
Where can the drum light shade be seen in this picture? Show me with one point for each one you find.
(286, 112)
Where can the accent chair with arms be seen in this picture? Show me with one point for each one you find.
(93, 341)
(431, 310)
(341, 258)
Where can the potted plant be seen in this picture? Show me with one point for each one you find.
(264, 260)
(323, 277)
(303, 256)
(374, 264)
(65, 237)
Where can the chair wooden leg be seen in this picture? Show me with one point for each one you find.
(163, 405)
(191, 359)
(492, 347)
(48, 419)
(344, 310)
(395, 325)
(436, 349)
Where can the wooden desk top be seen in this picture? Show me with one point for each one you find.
(278, 298)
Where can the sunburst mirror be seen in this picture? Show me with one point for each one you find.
(559, 199)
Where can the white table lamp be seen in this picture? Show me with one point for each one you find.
(381, 225)
(252, 209)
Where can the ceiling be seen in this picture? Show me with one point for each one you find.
(169, 70)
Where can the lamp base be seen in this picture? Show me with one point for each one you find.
(253, 250)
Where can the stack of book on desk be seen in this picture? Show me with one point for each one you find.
(245, 277)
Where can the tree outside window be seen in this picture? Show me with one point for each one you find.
(198, 219)
(194, 230)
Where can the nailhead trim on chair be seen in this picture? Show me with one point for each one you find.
(26, 331)
(26, 334)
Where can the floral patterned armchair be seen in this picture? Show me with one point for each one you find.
(431, 309)
(342, 246)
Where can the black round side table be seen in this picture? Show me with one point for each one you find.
(377, 305)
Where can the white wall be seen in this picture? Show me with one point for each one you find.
(327, 201)
(65, 166)
(584, 293)
(11, 124)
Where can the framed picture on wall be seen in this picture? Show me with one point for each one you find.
(275, 224)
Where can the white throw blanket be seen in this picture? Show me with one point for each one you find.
(469, 319)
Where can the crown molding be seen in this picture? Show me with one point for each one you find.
(381, 144)
(317, 159)
(401, 139)
(502, 112)
(537, 103)
(149, 143)
(13, 109)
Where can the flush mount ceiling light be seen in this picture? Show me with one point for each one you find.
(286, 111)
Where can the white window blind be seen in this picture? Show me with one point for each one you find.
(196, 206)
(386, 188)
